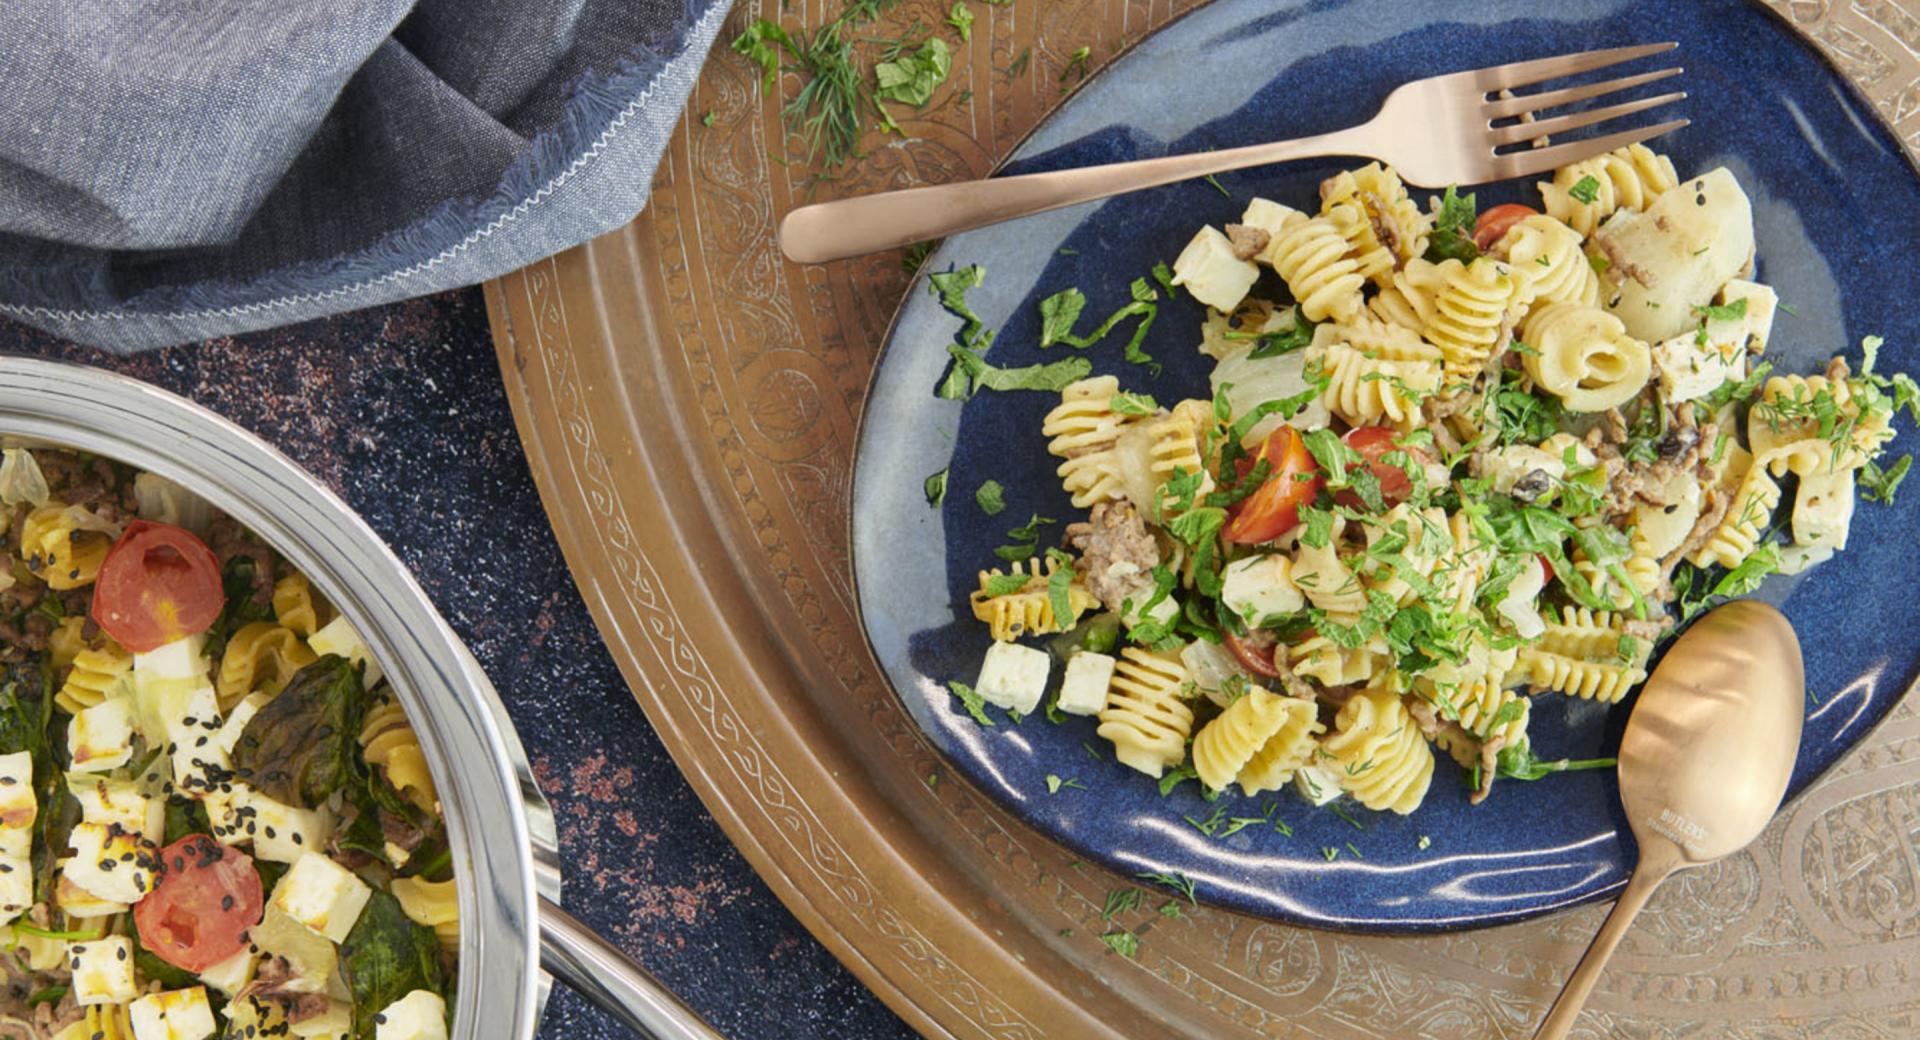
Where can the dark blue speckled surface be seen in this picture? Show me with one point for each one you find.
(400, 409)
(1835, 203)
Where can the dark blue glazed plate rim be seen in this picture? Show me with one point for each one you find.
(1834, 194)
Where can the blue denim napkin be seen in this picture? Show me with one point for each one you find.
(180, 169)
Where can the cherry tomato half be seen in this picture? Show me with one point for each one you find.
(1294, 478)
(1372, 442)
(206, 897)
(1255, 659)
(1493, 224)
(159, 583)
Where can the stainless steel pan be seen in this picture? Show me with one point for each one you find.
(513, 931)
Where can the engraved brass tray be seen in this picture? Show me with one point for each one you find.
(688, 401)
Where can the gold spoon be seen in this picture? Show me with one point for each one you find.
(1703, 764)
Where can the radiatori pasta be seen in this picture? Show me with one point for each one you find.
(1477, 480)
(203, 747)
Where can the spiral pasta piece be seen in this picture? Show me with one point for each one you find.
(293, 605)
(1224, 746)
(1584, 356)
(1588, 680)
(99, 1022)
(1472, 312)
(1029, 611)
(1286, 749)
(1625, 178)
(1548, 253)
(1738, 533)
(1424, 541)
(1393, 224)
(1784, 428)
(1374, 261)
(1083, 429)
(260, 656)
(387, 741)
(1482, 710)
(434, 904)
(1381, 758)
(65, 545)
(1146, 718)
(1642, 567)
(1311, 256)
(1377, 372)
(1320, 658)
(66, 641)
(1409, 298)
(93, 675)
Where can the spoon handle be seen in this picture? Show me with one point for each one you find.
(1646, 878)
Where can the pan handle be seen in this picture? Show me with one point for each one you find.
(598, 971)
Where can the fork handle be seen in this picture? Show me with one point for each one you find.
(870, 223)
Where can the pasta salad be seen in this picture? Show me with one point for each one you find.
(215, 819)
(1452, 460)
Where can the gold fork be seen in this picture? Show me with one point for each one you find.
(1435, 131)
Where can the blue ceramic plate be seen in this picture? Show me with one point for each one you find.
(1835, 203)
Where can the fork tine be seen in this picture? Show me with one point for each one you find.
(1522, 73)
(1530, 161)
(1540, 102)
(1518, 132)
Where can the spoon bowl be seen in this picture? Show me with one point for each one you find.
(1703, 764)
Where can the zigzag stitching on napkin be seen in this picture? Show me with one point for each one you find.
(559, 180)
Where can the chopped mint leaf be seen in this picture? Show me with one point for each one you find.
(1724, 312)
(1126, 944)
(1424, 843)
(961, 18)
(1058, 313)
(936, 488)
(1878, 485)
(1586, 189)
(1452, 237)
(1005, 584)
(708, 119)
(1053, 377)
(1126, 403)
(1059, 585)
(1285, 341)
(1164, 275)
(1055, 785)
(991, 497)
(976, 706)
(1170, 910)
(912, 78)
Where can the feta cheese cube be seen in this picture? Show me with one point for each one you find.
(336, 1020)
(200, 764)
(323, 895)
(109, 802)
(1688, 369)
(419, 1015)
(180, 659)
(1013, 676)
(102, 971)
(226, 822)
(1316, 783)
(101, 737)
(18, 809)
(281, 833)
(232, 975)
(1084, 690)
(1755, 327)
(1270, 216)
(1210, 271)
(1823, 512)
(77, 902)
(16, 887)
(181, 1014)
(338, 637)
(1261, 587)
(312, 959)
(237, 720)
(111, 864)
(1520, 606)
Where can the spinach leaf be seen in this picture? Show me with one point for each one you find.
(185, 816)
(301, 747)
(26, 713)
(386, 957)
(152, 968)
(237, 580)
